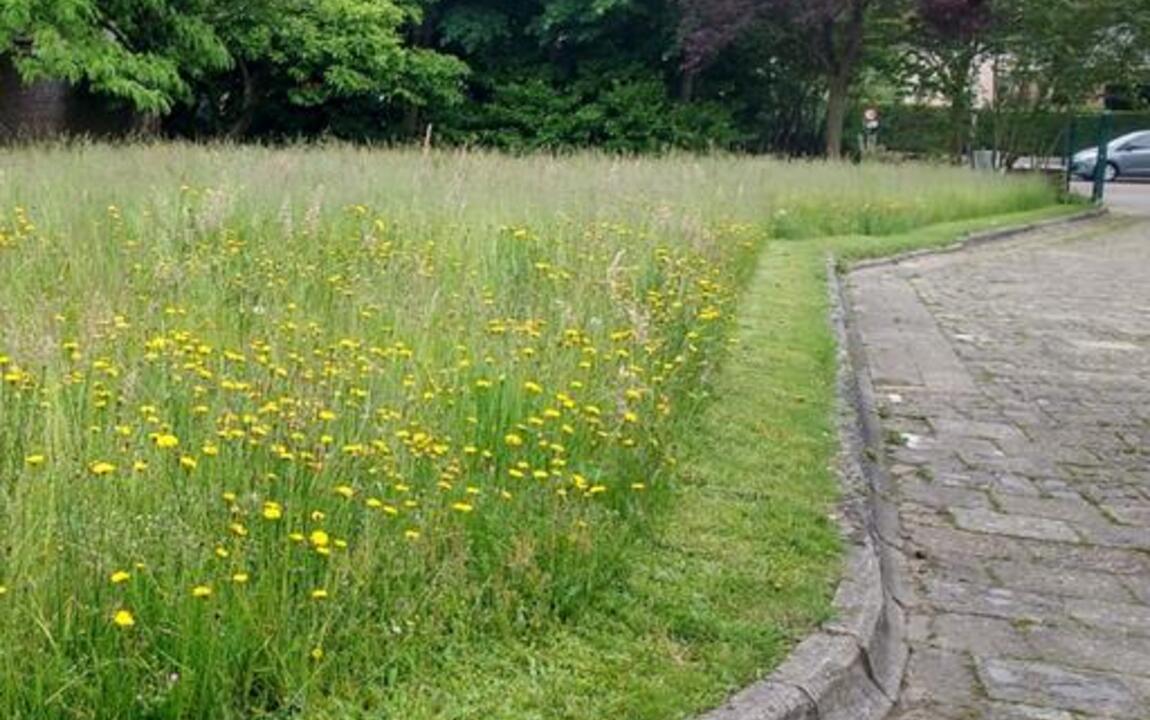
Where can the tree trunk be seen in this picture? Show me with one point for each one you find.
(839, 88)
(840, 48)
(248, 103)
(687, 84)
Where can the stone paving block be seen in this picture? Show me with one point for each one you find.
(1023, 526)
(1071, 508)
(941, 677)
(1049, 685)
(947, 542)
(1118, 536)
(1116, 561)
(1010, 711)
(1092, 648)
(1064, 582)
(1112, 617)
(1140, 586)
(1130, 512)
(999, 432)
(949, 595)
(980, 636)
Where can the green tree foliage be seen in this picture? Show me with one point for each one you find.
(144, 51)
(231, 55)
(626, 75)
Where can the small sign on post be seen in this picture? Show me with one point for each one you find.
(870, 129)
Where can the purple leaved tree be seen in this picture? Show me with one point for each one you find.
(834, 29)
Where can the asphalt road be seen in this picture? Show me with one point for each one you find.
(1125, 196)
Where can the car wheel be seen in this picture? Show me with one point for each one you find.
(1111, 172)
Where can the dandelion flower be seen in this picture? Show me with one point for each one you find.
(188, 462)
(411, 534)
(201, 591)
(120, 576)
(319, 594)
(3, 591)
(34, 460)
(273, 511)
(344, 490)
(462, 507)
(100, 468)
(316, 654)
(240, 578)
(513, 440)
(319, 538)
(167, 440)
(124, 619)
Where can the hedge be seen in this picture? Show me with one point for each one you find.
(926, 131)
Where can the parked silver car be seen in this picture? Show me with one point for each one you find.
(1128, 155)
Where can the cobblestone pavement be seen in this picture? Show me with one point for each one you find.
(1013, 380)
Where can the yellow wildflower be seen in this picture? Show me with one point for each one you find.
(102, 468)
(167, 440)
(462, 507)
(319, 538)
(240, 578)
(273, 511)
(119, 576)
(124, 619)
(319, 594)
(34, 460)
(201, 591)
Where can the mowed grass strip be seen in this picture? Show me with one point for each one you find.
(338, 433)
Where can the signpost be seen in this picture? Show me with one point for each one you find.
(870, 129)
